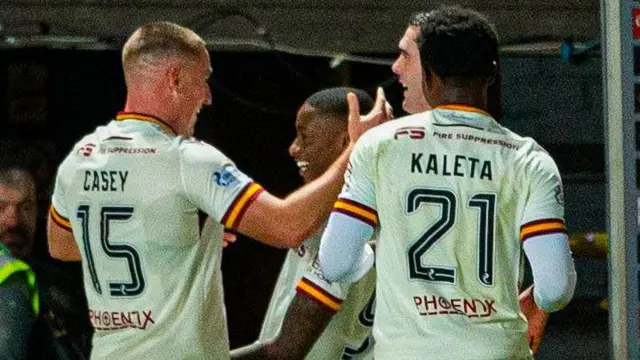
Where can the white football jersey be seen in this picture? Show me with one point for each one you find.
(454, 194)
(131, 193)
(348, 335)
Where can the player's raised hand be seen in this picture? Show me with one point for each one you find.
(359, 124)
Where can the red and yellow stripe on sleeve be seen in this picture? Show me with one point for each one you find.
(357, 211)
(542, 227)
(318, 294)
(62, 221)
(239, 206)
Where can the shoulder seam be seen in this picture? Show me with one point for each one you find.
(182, 180)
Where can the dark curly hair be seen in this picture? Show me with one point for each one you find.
(333, 101)
(457, 43)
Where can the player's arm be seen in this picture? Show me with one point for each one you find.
(213, 184)
(62, 245)
(308, 314)
(287, 222)
(216, 186)
(544, 237)
(344, 253)
(303, 324)
(554, 275)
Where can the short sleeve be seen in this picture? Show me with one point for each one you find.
(59, 210)
(357, 198)
(544, 209)
(315, 286)
(214, 184)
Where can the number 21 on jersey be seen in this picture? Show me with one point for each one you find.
(484, 204)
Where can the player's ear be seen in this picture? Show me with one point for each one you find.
(173, 78)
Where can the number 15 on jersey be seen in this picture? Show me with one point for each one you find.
(110, 216)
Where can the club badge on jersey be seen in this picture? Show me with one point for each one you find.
(225, 177)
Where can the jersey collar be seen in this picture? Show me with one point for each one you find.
(460, 107)
(147, 118)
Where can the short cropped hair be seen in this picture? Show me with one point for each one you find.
(457, 43)
(160, 40)
(333, 102)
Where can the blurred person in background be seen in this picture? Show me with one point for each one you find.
(33, 323)
(19, 298)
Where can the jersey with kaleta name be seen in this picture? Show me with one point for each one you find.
(131, 193)
(348, 334)
(455, 195)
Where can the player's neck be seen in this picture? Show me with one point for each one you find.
(452, 95)
(149, 105)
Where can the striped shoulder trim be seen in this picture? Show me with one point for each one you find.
(148, 118)
(318, 294)
(356, 210)
(62, 221)
(542, 227)
(239, 206)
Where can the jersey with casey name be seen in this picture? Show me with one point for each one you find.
(348, 334)
(455, 195)
(131, 193)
